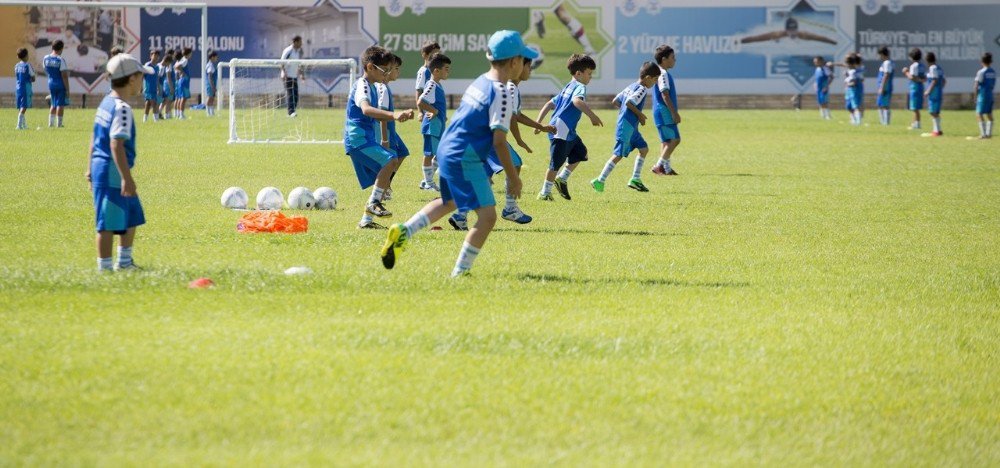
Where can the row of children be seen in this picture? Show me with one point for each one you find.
(925, 82)
(473, 147)
(166, 91)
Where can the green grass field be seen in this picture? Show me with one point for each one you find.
(806, 293)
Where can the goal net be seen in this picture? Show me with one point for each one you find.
(263, 107)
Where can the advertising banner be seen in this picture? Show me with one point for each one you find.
(722, 46)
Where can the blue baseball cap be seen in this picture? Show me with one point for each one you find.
(506, 44)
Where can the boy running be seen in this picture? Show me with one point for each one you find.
(373, 163)
(566, 148)
(433, 108)
(627, 137)
(480, 123)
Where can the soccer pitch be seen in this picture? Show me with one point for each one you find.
(805, 293)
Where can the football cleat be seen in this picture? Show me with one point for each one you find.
(637, 184)
(598, 185)
(658, 170)
(545, 196)
(370, 225)
(515, 215)
(563, 188)
(460, 223)
(394, 243)
(425, 185)
(376, 209)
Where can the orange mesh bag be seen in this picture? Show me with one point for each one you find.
(272, 221)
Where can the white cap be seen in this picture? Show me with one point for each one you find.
(123, 65)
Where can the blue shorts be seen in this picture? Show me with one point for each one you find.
(58, 98)
(884, 100)
(183, 90)
(984, 106)
(625, 146)
(23, 98)
(168, 95)
(466, 183)
(431, 145)
(115, 212)
(822, 97)
(566, 152)
(150, 95)
(368, 161)
(210, 90)
(668, 132)
(916, 101)
(492, 164)
(397, 145)
(934, 105)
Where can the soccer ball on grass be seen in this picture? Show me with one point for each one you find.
(235, 198)
(326, 198)
(270, 198)
(300, 198)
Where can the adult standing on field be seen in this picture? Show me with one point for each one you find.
(291, 74)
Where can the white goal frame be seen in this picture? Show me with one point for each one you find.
(203, 7)
(237, 63)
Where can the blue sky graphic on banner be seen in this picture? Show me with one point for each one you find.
(731, 42)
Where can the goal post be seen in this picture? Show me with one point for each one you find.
(202, 7)
(259, 110)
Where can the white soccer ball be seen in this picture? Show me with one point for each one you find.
(537, 62)
(326, 198)
(300, 198)
(235, 198)
(270, 198)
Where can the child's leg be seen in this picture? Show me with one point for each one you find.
(373, 205)
(429, 214)
(608, 167)
(21, 124)
(52, 115)
(125, 248)
(510, 203)
(637, 169)
(475, 239)
(567, 171)
(105, 241)
(989, 125)
(936, 120)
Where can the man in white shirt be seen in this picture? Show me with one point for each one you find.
(291, 74)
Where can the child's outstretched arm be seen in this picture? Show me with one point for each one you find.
(549, 105)
(524, 119)
(582, 105)
(384, 115)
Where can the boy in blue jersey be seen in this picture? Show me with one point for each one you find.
(212, 75)
(151, 86)
(986, 80)
(854, 94)
(627, 136)
(917, 75)
(934, 93)
(821, 81)
(25, 75)
(511, 211)
(183, 92)
(58, 73)
(883, 98)
(168, 85)
(373, 163)
(480, 123)
(389, 136)
(112, 155)
(433, 108)
(566, 148)
(423, 76)
(665, 114)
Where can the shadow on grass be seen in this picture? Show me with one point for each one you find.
(590, 231)
(547, 278)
